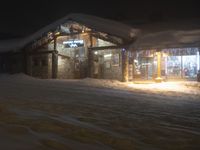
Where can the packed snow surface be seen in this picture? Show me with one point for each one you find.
(92, 114)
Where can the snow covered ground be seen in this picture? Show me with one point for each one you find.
(93, 114)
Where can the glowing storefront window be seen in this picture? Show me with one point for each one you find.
(175, 63)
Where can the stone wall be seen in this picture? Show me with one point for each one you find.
(72, 62)
(110, 64)
(65, 68)
(41, 66)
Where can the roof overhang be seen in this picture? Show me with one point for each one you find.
(168, 39)
(110, 27)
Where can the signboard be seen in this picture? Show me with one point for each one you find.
(73, 43)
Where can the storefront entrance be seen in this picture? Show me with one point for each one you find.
(175, 64)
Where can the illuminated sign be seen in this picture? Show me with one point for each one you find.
(73, 43)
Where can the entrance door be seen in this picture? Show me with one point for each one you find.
(147, 68)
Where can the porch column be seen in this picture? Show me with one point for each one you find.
(55, 60)
(124, 65)
(158, 79)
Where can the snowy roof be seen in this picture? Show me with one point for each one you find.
(172, 34)
(99, 24)
(168, 39)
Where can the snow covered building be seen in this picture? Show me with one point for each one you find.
(167, 50)
(79, 46)
(76, 46)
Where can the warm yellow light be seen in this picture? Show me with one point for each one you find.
(57, 33)
(50, 33)
(165, 55)
(107, 55)
(164, 86)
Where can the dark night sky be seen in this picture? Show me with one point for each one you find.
(24, 17)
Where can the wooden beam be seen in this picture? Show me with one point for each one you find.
(107, 47)
(98, 35)
(40, 52)
(71, 34)
(64, 56)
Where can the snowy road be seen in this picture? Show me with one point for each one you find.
(96, 115)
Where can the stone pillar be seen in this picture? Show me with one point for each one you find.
(55, 60)
(125, 66)
(158, 79)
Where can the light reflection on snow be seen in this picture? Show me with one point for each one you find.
(164, 86)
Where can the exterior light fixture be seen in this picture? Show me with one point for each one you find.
(57, 33)
(107, 55)
(165, 55)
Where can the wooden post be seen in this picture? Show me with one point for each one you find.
(124, 65)
(55, 43)
(158, 79)
(55, 60)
